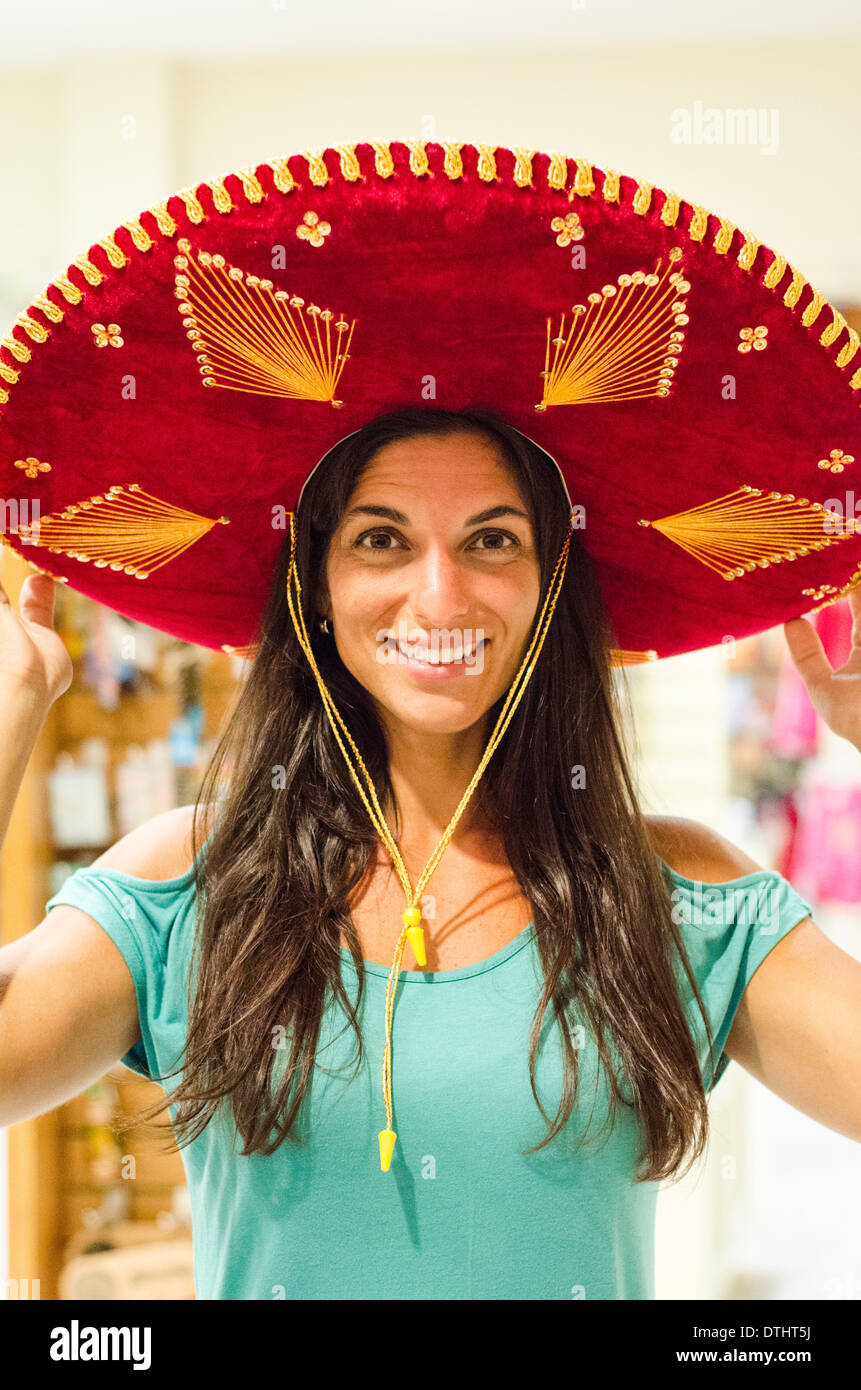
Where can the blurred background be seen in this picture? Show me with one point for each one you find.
(106, 109)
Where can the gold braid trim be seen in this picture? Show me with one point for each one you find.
(487, 163)
(116, 257)
(383, 161)
(813, 310)
(747, 254)
(773, 276)
(140, 237)
(220, 196)
(557, 172)
(723, 236)
(51, 310)
(642, 197)
(699, 222)
(793, 294)
(670, 210)
(350, 170)
(317, 171)
(453, 162)
(846, 353)
(612, 186)
(523, 167)
(583, 186)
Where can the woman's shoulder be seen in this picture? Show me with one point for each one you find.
(160, 849)
(694, 851)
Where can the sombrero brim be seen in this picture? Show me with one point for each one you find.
(167, 395)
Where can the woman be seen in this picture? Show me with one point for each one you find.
(570, 973)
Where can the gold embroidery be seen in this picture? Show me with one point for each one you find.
(723, 236)
(699, 222)
(32, 467)
(312, 229)
(486, 168)
(747, 254)
(756, 338)
(135, 534)
(557, 173)
(251, 185)
(793, 294)
(350, 170)
(247, 337)
(812, 312)
(642, 197)
(670, 210)
(193, 206)
(68, 289)
(834, 329)
(317, 171)
(612, 185)
(773, 276)
(141, 240)
(626, 344)
(281, 176)
(384, 164)
(522, 167)
(18, 349)
(569, 228)
(849, 349)
(89, 271)
(220, 196)
(750, 529)
(51, 310)
(837, 461)
(584, 184)
(34, 330)
(453, 163)
(619, 657)
(116, 257)
(819, 592)
(164, 221)
(105, 336)
(419, 165)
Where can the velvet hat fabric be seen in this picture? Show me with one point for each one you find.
(164, 400)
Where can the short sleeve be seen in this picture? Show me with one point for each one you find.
(142, 919)
(728, 929)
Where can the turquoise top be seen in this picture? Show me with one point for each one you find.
(461, 1213)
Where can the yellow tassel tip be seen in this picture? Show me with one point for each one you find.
(387, 1139)
(415, 936)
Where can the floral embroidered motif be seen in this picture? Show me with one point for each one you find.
(836, 462)
(32, 467)
(570, 228)
(312, 229)
(756, 338)
(819, 592)
(107, 337)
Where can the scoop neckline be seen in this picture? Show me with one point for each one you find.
(431, 977)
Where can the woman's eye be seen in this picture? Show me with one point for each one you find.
(374, 537)
(496, 536)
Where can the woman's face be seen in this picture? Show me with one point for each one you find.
(433, 581)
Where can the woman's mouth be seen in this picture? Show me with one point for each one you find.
(446, 659)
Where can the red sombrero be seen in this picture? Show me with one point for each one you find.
(188, 372)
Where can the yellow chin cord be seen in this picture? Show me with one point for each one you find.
(412, 931)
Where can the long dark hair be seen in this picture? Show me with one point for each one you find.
(273, 885)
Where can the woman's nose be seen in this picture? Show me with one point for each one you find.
(440, 594)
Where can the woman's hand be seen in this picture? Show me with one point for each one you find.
(836, 695)
(33, 656)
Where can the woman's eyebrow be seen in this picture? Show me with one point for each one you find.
(390, 514)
